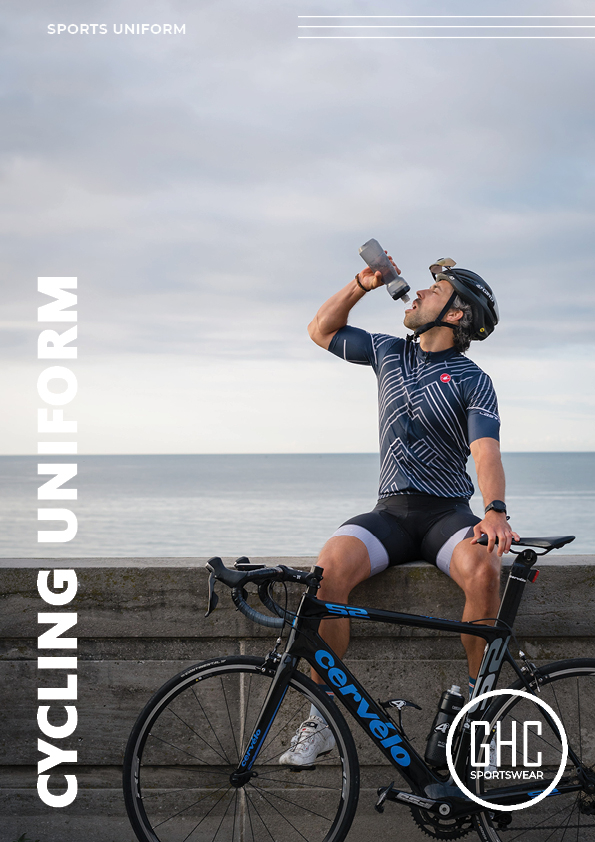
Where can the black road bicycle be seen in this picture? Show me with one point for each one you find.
(202, 759)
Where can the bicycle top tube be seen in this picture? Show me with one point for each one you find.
(316, 609)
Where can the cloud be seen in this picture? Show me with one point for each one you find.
(211, 191)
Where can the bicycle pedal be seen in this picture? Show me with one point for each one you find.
(382, 793)
(502, 820)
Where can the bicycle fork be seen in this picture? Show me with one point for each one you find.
(276, 693)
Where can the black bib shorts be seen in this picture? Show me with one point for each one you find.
(410, 527)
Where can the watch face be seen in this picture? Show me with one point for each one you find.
(497, 506)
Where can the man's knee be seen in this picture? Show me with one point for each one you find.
(476, 570)
(346, 563)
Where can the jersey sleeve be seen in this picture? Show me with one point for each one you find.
(354, 345)
(483, 420)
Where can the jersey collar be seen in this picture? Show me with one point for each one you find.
(434, 356)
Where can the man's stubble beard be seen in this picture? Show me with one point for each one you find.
(414, 319)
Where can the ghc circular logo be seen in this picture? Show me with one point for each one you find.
(445, 378)
(479, 726)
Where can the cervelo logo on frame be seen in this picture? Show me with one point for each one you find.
(378, 727)
(250, 747)
(539, 794)
(445, 378)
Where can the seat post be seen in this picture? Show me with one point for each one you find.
(515, 585)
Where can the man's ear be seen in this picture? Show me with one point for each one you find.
(453, 315)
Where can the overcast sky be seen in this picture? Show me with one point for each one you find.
(210, 190)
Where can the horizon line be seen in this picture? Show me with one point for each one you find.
(40, 456)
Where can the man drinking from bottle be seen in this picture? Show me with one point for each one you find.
(435, 408)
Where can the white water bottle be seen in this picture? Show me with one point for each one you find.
(374, 255)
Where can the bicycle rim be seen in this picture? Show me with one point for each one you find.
(191, 736)
(569, 688)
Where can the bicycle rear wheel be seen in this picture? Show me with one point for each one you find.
(191, 736)
(569, 688)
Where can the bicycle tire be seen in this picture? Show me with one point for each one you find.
(569, 688)
(190, 737)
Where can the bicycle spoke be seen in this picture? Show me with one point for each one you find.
(287, 801)
(578, 827)
(545, 819)
(177, 748)
(235, 815)
(232, 729)
(263, 823)
(194, 803)
(249, 815)
(557, 828)
(580, 732)
(227, 760)
(568, 822)
(284, 817)
(190, 728)
(536, 736)
(297, 783)
(222, 819)
(163, 792)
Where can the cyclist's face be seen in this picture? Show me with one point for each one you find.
(428, 304)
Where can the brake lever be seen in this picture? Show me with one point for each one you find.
(213, 598)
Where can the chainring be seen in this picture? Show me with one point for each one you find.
(441, 828)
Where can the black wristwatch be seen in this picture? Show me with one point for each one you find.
(497, 506)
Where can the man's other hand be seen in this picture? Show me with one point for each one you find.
(495, 525)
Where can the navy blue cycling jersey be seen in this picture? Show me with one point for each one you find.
(431, 406)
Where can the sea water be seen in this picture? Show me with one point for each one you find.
(259, 505)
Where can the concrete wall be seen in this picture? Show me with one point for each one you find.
(142, 620)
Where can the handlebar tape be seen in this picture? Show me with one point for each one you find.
(252, 614)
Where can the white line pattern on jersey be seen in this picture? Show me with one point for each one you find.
(423, 421)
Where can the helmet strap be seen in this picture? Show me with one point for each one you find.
(437, 321)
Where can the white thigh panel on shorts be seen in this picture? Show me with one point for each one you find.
(376, 550)
(445, 552)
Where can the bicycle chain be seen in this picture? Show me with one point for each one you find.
(441, 828)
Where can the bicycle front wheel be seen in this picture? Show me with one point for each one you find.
(190, 738)
(564, 816)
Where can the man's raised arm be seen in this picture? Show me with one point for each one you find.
(333, 314)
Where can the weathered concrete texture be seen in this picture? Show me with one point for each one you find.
(142, 620)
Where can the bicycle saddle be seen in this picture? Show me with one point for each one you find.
(552, 543)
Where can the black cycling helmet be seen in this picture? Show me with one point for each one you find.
(472, 288)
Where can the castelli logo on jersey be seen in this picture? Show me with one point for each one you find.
(445, 378)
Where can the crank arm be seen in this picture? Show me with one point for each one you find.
(388, 793)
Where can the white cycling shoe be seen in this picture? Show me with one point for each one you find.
(311, 740)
